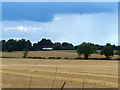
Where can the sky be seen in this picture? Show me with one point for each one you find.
(73, 22)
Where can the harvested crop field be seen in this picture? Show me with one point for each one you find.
(47, 54)
(17, 73)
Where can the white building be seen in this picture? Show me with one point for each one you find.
(47, 49)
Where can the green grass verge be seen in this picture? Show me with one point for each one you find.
(8, 52)
(98, 51)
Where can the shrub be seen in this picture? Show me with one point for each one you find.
(43, 58)
(118, 58)
(35, 57)
(66, 58)
(25, 54)
(58, 57)
(78, 58)
(51, 58)
(94, 58)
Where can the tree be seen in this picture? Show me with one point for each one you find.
(57, 46)
(67, 46)
(44, 43)
(114, 47)
(108, 44)
(86, 49)
(35, 47)
(21, 44)
(3, 45)
(11, 45)
(75, 47)
(107, 51)
(28, 45)
(15, 45)
(118, 51)
(97, 46)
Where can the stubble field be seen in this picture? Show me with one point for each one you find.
(60, 53)
(40, 73)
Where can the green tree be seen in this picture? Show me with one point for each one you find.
(35, 47)
(3, 45)
(97, 46)
(118, 51)
(107, 51)
(21, 44)
(86, 49)
(57, 46)
(28, 45)
(67, 46)
(11, 45)
(44, 43)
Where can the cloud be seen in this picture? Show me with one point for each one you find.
(75, 28)
(21, 25)
(56, 18)
(44, 11)
(22, 28)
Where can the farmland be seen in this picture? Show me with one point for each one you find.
(60, 53)
(17, 72)
(93, 74)
(59, 45)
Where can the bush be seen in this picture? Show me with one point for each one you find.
(94, 58)
(25, 54)
(66, 58)
(51, 58)
(58, 57)
(78, 58)
(118, 58)
(36, 57)
(43, 58)
(86, 58)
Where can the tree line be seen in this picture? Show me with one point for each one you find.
(86, 49)
(23, 44)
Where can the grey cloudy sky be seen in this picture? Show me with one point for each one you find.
(74, 22)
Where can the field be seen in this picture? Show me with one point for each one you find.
(52, 73)
(60, 53)
(76, 73)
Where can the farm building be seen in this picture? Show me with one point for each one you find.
(47, 49)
